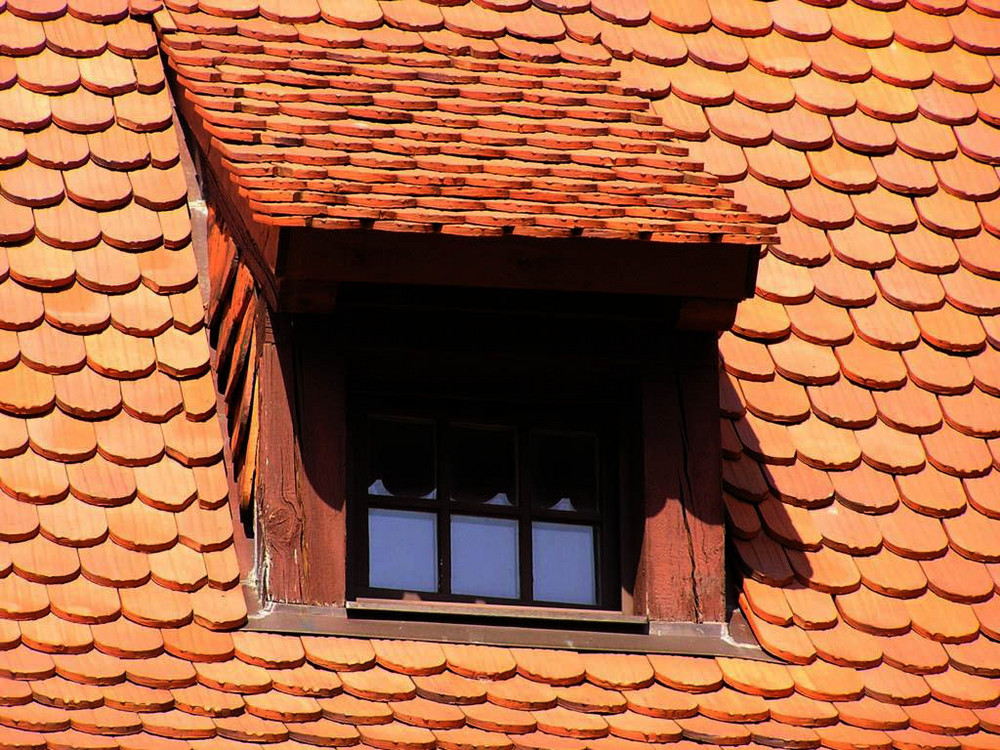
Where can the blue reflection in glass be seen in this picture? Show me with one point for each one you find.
(402, 550)
(563, 563)
(484, 557)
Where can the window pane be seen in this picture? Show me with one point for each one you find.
(563, 471)
(402, 458)
(484, 557)
(402, 550)
(482, 465)
(563, 563)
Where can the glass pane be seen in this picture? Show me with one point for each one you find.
(563, 471)
(402, 550)
(563, 563)
(482, 465)
(484, 556)
(402, 459)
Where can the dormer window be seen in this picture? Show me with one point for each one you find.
(612, 258)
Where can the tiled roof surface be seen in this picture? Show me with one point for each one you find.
(461, 119)
(860, 403)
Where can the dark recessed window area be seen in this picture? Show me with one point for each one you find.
(493, 458)
(497, 504)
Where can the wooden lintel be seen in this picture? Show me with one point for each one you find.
(307, 296)
(699, 314)
(710, 271)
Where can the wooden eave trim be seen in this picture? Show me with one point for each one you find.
(713, 271)
(199, 242)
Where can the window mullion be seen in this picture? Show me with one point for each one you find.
(524, 505)
(358, 525)
(442, 466)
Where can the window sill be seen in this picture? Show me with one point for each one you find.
(360, 620)
(454, 610)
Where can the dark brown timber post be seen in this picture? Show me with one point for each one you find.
(682, 562)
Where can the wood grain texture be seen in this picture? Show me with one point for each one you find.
(698, 396)
(280, 512)
(681, 570)
(665, 578)
(713, 272)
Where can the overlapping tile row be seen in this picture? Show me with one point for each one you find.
(355, 118)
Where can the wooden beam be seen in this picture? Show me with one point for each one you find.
(664, 588)
(701, 482)
(711, 271)
(681, 572)
(280, 512)
(258, 244)
(322, 483)
(697, 314)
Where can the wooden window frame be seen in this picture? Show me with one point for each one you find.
(673, 540)
(522, 419)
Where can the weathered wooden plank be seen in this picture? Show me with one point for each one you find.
(280, 513)
(322, 472)
(241, 400)
(240, 302)
(222, 264)
(248, 467)
(702, 481)
(665, 578)
(714, 272)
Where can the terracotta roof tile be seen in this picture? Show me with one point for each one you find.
(642, 728)
(490, 717)
(306, 680)
(687, 673)
(789, 644)
(661, 702)
(421, 712)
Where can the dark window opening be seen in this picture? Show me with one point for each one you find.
(459, 424)
(500, 504)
